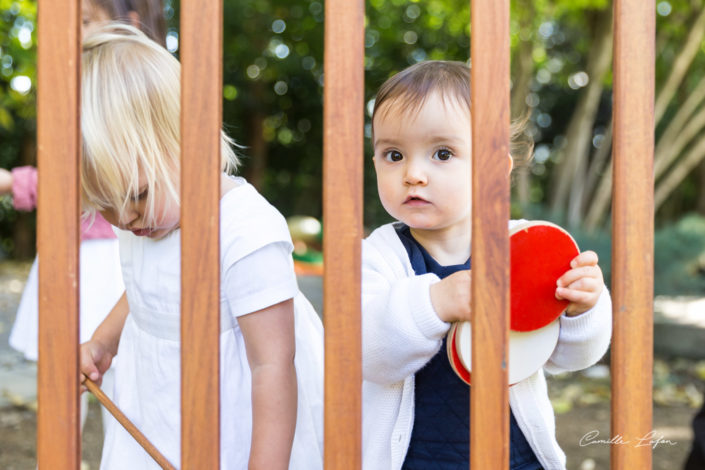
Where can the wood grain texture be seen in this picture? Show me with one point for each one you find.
(58, 146)
(633, 228)
(201, 121)
(489, 405)
(128, 425)
(342, 230)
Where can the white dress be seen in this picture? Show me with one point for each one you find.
(256, 272)
(101, 288)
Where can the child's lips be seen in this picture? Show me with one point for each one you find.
(142, 232)
(415, 201)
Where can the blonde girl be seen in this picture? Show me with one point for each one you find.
(271, 339)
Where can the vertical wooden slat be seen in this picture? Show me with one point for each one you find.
(342, 229)
(58, 134)
(632, 242)
(201, 120)
(489, 410)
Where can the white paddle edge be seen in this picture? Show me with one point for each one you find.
(528, 351)
(533, 223)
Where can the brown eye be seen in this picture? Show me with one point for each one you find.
(443, 155)
(393, 156)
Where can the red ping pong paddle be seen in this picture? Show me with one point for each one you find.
(541, 252)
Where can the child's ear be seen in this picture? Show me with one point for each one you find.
(511, 163)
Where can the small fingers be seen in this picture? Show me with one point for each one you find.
(82, 383)
(586, 258)
(88, 367)
(585, 284)
(569, 277)
(91, 371)
(574, 295)
(579, 301)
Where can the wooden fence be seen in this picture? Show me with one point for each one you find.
(58, 440)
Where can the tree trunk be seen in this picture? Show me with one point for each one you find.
(257, 145)
(569, 174)
(700, 201)
(524, 71)
(679, 173)
(523, 62)
(680, 66)
(669, 153)
(680, 119)
(600, 202)
(598, 163)
(673, 135)
(680, 130)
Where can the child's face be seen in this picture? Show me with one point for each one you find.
(423, 163)
(135, 217)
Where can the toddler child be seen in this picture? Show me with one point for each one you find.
(416, 282)
(271, 338)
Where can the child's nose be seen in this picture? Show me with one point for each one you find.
(128, 216)
(414, 174)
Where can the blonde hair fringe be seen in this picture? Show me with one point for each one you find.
(130, 120)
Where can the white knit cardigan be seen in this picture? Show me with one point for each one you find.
(401, 333)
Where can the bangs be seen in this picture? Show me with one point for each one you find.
(105, 184)
(130, 120)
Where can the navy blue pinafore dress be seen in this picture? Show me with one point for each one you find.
(440, 436)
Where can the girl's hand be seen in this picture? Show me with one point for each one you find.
(5, 181)
(95, 359)
(451, 297)
(581, 285)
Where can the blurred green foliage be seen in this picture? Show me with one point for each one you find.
(273, 83)
(679, 257)
(18, 74)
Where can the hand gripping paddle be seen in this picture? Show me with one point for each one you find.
(541, 252)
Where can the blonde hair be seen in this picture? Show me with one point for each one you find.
(409, 89)
(130, 120)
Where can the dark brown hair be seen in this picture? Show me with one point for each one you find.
(409, 89)
(150, 12)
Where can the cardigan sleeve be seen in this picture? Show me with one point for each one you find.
(583, 339)
(400, 330)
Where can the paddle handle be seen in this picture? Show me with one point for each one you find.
(127, 424)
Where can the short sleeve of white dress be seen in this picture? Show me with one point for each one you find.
(260, 279)
(257, 268)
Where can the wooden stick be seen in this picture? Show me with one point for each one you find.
(127, 424)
